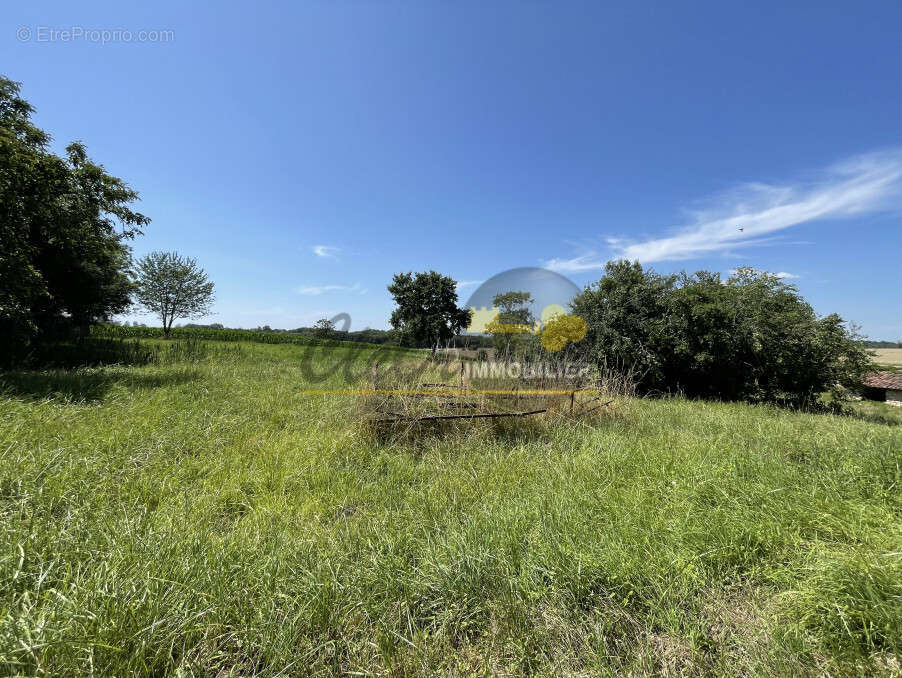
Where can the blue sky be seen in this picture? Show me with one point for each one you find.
(304, 152)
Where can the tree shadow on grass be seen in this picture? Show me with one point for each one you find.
(87, 352)
(83, 385)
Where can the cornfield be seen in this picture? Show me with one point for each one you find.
(125, 332)
(205, 334)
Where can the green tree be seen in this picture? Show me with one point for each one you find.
(172, 286)
(624, 314)
(64, 228)
(751, 337)
(323, 329)
(513, 308)
(426, 312)
(512, 331)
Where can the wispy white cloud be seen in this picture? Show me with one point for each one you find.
(782, 275)
(752, 213)
(590, 261)
(316, 290)
(463, 284)
(325, 251)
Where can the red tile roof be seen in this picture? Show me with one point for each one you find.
(884, 380)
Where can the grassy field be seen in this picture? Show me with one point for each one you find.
(204, 517)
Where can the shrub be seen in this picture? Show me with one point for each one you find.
(751, 337)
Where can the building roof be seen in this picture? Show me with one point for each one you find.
(884, 380)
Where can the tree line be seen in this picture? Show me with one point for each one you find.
(749, 337)
(868, 343)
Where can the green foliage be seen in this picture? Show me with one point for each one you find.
(127, 332)
(624, 314)
(211, 334)
(64, 225)
(513, 308)
(172, 286)
(365, 336)
(751, 337)
(512, 332)
(426, 314)
(205, 517)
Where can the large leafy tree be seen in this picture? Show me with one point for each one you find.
(65, 224)
(624, 314)
(426, 313)
(750, 337)
(754, 337)
(172, 286)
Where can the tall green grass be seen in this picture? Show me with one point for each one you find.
(204, 517)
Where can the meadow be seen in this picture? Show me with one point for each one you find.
(203, 515)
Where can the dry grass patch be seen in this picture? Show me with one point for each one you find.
(888, 356)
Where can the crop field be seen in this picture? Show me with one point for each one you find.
(210, 334)
(888, 356)
(205, 514)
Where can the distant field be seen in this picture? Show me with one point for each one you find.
(203, 516)
(888, 356)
